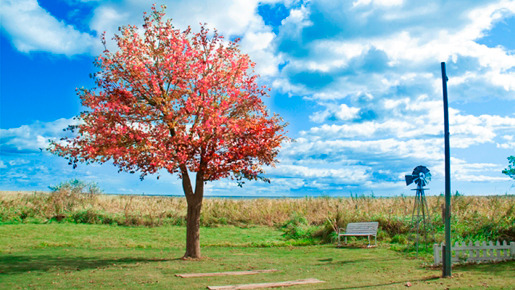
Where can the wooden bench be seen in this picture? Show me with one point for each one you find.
(359, 229)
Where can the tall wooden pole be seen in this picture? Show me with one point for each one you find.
(447, 211)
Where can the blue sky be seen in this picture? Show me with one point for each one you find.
(359, 82)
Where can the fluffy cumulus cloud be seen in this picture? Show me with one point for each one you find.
(26, 165)
(385, 149)
(32, 28)
(374, 69)
(337, 46)
(33, 137)
(338, 112)
(23, 162)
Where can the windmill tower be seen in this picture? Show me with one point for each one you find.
(420, 217)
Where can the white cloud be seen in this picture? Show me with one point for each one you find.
(345, 112)
(34, 136)
(356, 151)
(257, 42)
(337, 54)
(108, 18)
(408, 48)
(340, 112)
(384, 3)
(231, 18)
(257, 45)
(475, 172)
(508, 142)
(18, 162)
(33, 29)
(410, 132)
(296, 20)
(354, 174)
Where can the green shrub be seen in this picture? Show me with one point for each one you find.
(87, 216)
(297, 228)
(400, 239)
(70, 195)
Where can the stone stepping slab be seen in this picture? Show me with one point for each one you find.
(236, 273)
(266, 285)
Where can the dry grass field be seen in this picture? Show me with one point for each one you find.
(473, 217)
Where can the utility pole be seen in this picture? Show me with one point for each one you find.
(447, 210)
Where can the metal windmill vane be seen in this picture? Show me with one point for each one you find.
(420, 218)
(421, 176)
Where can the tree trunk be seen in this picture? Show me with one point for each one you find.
(194, 200)
(193, 229)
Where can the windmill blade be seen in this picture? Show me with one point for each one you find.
(420, 176)
(409, 179)
(427, 178)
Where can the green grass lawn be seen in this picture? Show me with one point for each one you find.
(64, 256)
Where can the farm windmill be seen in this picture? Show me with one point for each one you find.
(420, 217)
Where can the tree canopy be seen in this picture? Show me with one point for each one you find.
(179, 101)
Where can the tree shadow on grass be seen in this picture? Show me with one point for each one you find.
(494, 268)
(430, 278)
(18, 264)
(331, 261)
(354, 246)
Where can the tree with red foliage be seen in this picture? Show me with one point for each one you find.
(176, 101)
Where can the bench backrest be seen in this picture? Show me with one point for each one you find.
(362, 228)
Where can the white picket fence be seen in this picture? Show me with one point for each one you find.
(477, 252)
